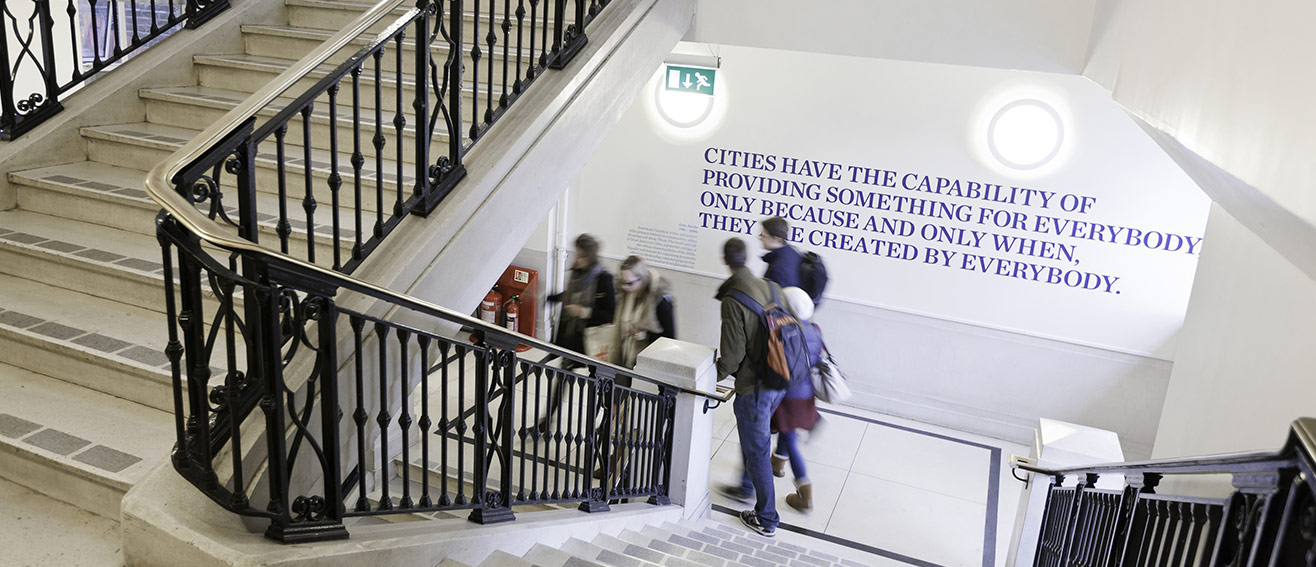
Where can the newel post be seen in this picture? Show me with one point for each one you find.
(689, 366)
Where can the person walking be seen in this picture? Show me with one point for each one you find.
(644, 310)
(797, 411)
(782, 258)
(743, 348)
(588, 301)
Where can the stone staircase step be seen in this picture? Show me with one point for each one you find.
(40, 530)
(239, 72)
(278, 41)
(504, 559)
(75, 444)
(546, 556)
(83, 257)
(592, 552)
(334, 15)
(196, 108)
(451, 563)
(130, 145)
(110, 347)
(106, 195)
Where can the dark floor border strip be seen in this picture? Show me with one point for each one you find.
(838, 541)
(909, 429)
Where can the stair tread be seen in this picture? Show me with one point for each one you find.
(110, 438)
(224, 99)
(104, 327)
(171, 138)
(352, 6)
(276, 65)
(80, 242)
(322, 34)
(40, 530)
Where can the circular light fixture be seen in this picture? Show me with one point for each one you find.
(682, 109)
(1025, 134)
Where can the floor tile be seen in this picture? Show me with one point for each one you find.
(909, 521)
(102, 343)
(931, 463)
(57, 331)
(20, 320)
(834, 441)
(150, 357)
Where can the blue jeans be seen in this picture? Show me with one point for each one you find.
(787, 447)
(753, 413)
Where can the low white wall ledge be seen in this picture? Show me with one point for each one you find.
(682, 364)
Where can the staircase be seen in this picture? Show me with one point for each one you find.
(689, 544)
(85, 396)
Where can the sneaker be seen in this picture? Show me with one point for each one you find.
(751, 521)
(737, 493)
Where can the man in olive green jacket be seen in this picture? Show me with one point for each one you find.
(743, 348)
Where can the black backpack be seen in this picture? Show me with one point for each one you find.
(787, 352)
(813, 276)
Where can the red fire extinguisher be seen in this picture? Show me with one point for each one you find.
(489, 307)
(512, 312)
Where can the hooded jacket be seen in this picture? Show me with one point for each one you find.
(742, 333)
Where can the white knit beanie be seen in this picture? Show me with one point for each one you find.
(799, 302)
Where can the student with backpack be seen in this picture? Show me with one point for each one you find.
(797, 410)
(763, 346)
(786, 265)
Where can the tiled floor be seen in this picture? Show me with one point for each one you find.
(891, 491)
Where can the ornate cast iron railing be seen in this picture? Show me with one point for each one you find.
(1269, 519)
(368, 406)
(361, 138)
(48, 48)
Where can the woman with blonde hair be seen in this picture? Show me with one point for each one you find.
(644, 310)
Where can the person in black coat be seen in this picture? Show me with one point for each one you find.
(589, 300)
(782, 258)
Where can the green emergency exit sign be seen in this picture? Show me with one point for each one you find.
(697, 80)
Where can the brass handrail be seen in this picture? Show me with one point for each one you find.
(160, 188)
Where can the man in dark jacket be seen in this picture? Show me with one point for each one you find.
(743, 347)
(782, 258)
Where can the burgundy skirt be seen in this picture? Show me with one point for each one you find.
(795, 414)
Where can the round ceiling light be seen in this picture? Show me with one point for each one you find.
(1025, 134)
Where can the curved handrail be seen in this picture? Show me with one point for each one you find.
(160, 188)
(1299, 445)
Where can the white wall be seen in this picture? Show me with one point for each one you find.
(966, 349)
(1230, 80)
(1227, 83)
(1037, 35)
(1244, 368)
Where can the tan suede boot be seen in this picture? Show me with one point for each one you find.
(802, 499)
(779, 466)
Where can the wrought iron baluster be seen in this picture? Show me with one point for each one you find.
(421, 104)
(400, 124)
(383, 419)
(461, 427)
(444, 424)
(71, 10)
(569, 409)
(524, 430)
(475, 75)
(379, 143)
(532, 69)
(556, 414)
(520, 45)
(132, 8)
(404, 417)
(360, 415)
(308, 202)
(330, 409)
(174, 349)
(232, 388)
(423, 341)
(582, 463)
(358, 161)
(507, 43)
(536, 435)
(480, 467)
(283, 228)
(334, 181)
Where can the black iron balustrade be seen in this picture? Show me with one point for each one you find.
(415, 421)
(346, 157)
(48, 48)
(1268, 519)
